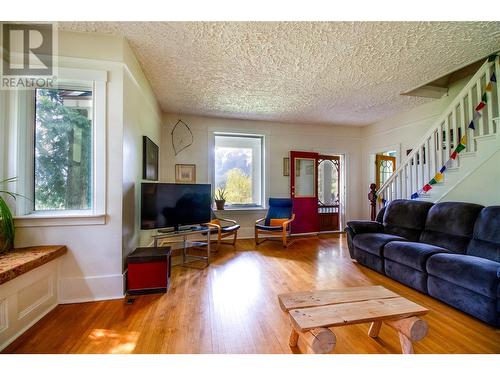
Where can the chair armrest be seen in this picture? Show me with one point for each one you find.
(286, 223)
(260, 220)
(228, 220)
(365, 226)
(213, 225)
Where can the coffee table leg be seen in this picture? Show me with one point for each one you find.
(374, 329)
(409, 330)
(294, 337)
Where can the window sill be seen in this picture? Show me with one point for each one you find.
(58, 219)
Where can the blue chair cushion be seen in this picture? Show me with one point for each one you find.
(485, 242)
(374, 243)
(268, 227)
(411, 254)
(279, 208)
(230, 228)
(473, 273)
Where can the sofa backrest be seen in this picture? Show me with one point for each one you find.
(406, 218)
(450, 225)
(485, 241)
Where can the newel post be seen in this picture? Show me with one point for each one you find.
(372, 197)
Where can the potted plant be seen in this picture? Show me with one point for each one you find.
(7, 231)
(220, 198)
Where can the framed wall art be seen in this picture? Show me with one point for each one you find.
(185, 173)
(149, 159)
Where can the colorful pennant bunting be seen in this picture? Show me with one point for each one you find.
(463, 141)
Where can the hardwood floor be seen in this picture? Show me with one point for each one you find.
(232, 307)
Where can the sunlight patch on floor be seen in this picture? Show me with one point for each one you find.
(114, 342)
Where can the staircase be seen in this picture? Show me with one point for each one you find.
(420, 170)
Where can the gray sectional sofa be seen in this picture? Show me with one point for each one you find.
(450, 251)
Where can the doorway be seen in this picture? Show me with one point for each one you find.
(385, 165)
(329, 192)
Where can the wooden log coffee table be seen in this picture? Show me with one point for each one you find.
(313, 315)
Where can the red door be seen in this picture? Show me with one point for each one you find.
(304, 191)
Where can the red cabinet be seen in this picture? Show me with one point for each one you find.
(149, 270)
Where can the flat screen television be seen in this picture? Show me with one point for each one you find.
(174, 205)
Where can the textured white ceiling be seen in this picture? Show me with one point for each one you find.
(346, 73)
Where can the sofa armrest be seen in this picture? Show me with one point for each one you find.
(365, 226)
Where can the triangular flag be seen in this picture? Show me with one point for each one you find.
(414, 196)
(491, 58)
(460, 148)
(480, 106)
(427, 187)
(471, 125)
(383, 201)
(438, 177)
(454, 155)
(433, 182)
(443, 168)
(463, 140)
(476, 115)
(493, 78)
(448, 163)
(484, 98)
(489, 87)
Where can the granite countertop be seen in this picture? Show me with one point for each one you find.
(18, 261)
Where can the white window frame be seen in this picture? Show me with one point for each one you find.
(69, 78)
(263, 163)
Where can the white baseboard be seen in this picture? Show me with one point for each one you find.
(93, 288)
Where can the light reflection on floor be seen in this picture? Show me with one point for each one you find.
(117, 343)
(238, 285)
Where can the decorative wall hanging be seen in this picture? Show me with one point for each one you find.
(185, 173)
(182, 137)
(149, 159)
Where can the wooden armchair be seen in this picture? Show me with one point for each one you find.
(278, 219)
(222, 230)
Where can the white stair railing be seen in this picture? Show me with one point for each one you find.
(434, 149)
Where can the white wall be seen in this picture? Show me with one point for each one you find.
(92, 269)
(281, 139)
(141, 116)
(481, 186)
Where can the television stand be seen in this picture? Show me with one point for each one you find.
(184, 233)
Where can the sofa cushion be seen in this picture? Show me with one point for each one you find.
(477, 274)
(406, 218)
(485, 241)
(411, 254)
(374, 243)
(450, 225)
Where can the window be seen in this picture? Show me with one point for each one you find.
(63, 156)
(239, 169)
